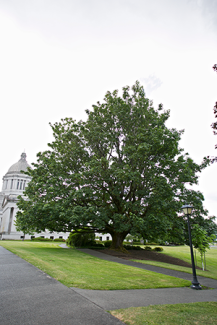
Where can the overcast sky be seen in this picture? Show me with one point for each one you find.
(58, 58)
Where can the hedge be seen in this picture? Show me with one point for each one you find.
(107, 243)
(81, 238)
(41, 239)
(158, 249)
(129, 247)
(148, 248)
(59, 239)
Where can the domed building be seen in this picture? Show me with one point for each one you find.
(14, 183)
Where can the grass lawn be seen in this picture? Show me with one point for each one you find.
(76, 269)
(203, 313)
(183, 253)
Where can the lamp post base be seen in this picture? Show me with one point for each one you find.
(196, 286)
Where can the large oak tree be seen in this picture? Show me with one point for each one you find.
(122, 171)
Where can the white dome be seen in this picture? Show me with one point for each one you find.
(20, 165)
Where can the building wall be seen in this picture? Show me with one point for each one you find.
(15, 183)
(9, 217)
(5, 220)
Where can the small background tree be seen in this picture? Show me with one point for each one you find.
(22, 224)
(201, 242)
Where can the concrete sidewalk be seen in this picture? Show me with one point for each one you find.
(116, 299)
(28, 296)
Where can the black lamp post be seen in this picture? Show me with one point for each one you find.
(195, 284)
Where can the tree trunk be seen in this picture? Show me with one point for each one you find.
(195, 257)
(117, 240)
(205, 260)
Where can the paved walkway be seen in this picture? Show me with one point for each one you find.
(29, 296)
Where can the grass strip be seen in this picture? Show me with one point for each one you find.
(176, 268)
(203, 313)
(76, 269)
(183, 253)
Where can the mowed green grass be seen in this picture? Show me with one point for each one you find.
(199, 313)
(183, 253)
(76, 269)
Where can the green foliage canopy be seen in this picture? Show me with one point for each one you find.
(200, 239)
(122, 171)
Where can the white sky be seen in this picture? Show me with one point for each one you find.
(57, 58)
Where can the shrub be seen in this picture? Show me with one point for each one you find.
(129, 247)
(137, 246)
(137, 243)
(148, 248)
(59, 239)
(107, 243)
(81, 238)
(41, 239)
(158, 249)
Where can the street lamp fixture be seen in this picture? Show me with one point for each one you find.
(187, 209)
